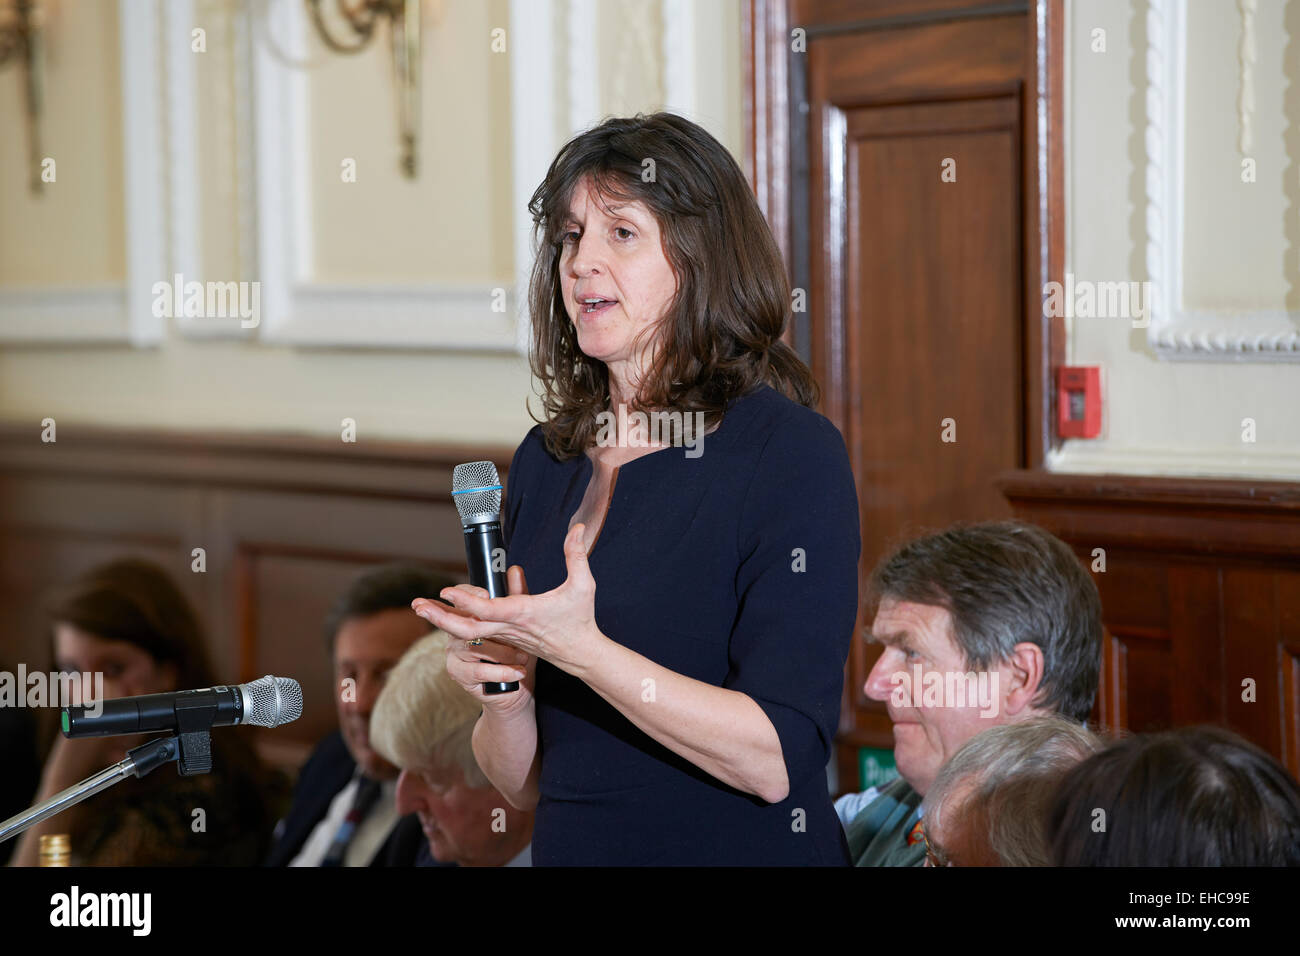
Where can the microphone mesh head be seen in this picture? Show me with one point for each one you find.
(476, 489)
(272, 701)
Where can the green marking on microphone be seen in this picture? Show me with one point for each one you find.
(66, 723)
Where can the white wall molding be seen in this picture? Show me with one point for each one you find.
(299, 309)
(430, 315)
(681, 83)
(270, 111)
(85, 313)
(184, 228)
(144, 145)
(533, 125)
(1247, 57)
(582, 75)
(1079, 456)
(227, 28)
(1176, 332)
(115, 312)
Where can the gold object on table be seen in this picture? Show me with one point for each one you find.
(56, 850)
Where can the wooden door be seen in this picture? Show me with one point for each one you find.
(907, 204)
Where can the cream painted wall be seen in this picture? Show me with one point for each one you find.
(1237, 254)
(454, 222)
(628, 54)
(453, 225)
(71, 233)
(1163, 417)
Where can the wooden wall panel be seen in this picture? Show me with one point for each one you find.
(287, 596)
(1289, 667)
(1145, 660)
(912, 340)
(285, 523)
(881, 14)
(1195, 601)
(1259, 647)
(59, 526)
(1200, 592)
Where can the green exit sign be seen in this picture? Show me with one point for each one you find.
(875, 767)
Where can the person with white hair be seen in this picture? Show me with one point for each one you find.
(423, 723)
(988, 805)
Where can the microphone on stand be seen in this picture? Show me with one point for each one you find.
(265, 702)
(476, 489)
(188, 714)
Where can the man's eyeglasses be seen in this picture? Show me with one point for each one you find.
(934, 855)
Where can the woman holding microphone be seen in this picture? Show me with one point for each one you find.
(681, 600)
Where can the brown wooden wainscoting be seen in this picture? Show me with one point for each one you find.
(1200, 593)
(285, 522)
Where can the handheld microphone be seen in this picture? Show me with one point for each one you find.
(265, 702)
(476, 489)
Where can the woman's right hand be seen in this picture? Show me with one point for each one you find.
(473, 665)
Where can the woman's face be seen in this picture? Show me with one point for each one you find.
(617, 255)
(129, 671)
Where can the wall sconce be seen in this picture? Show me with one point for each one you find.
(20, 39)
(404, 24)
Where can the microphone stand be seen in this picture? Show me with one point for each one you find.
(196, 746)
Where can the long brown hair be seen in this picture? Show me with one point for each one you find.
(721, 334)
(135, 601)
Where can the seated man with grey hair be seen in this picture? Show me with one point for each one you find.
(982, 625)
(989, 804)
(423, 723)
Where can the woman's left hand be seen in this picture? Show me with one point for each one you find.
(558, 626)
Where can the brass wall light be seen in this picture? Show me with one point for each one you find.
(21, 40)
(404, 25)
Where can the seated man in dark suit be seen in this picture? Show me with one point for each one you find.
(344, 809)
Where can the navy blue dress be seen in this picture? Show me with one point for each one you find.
(739, 568)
